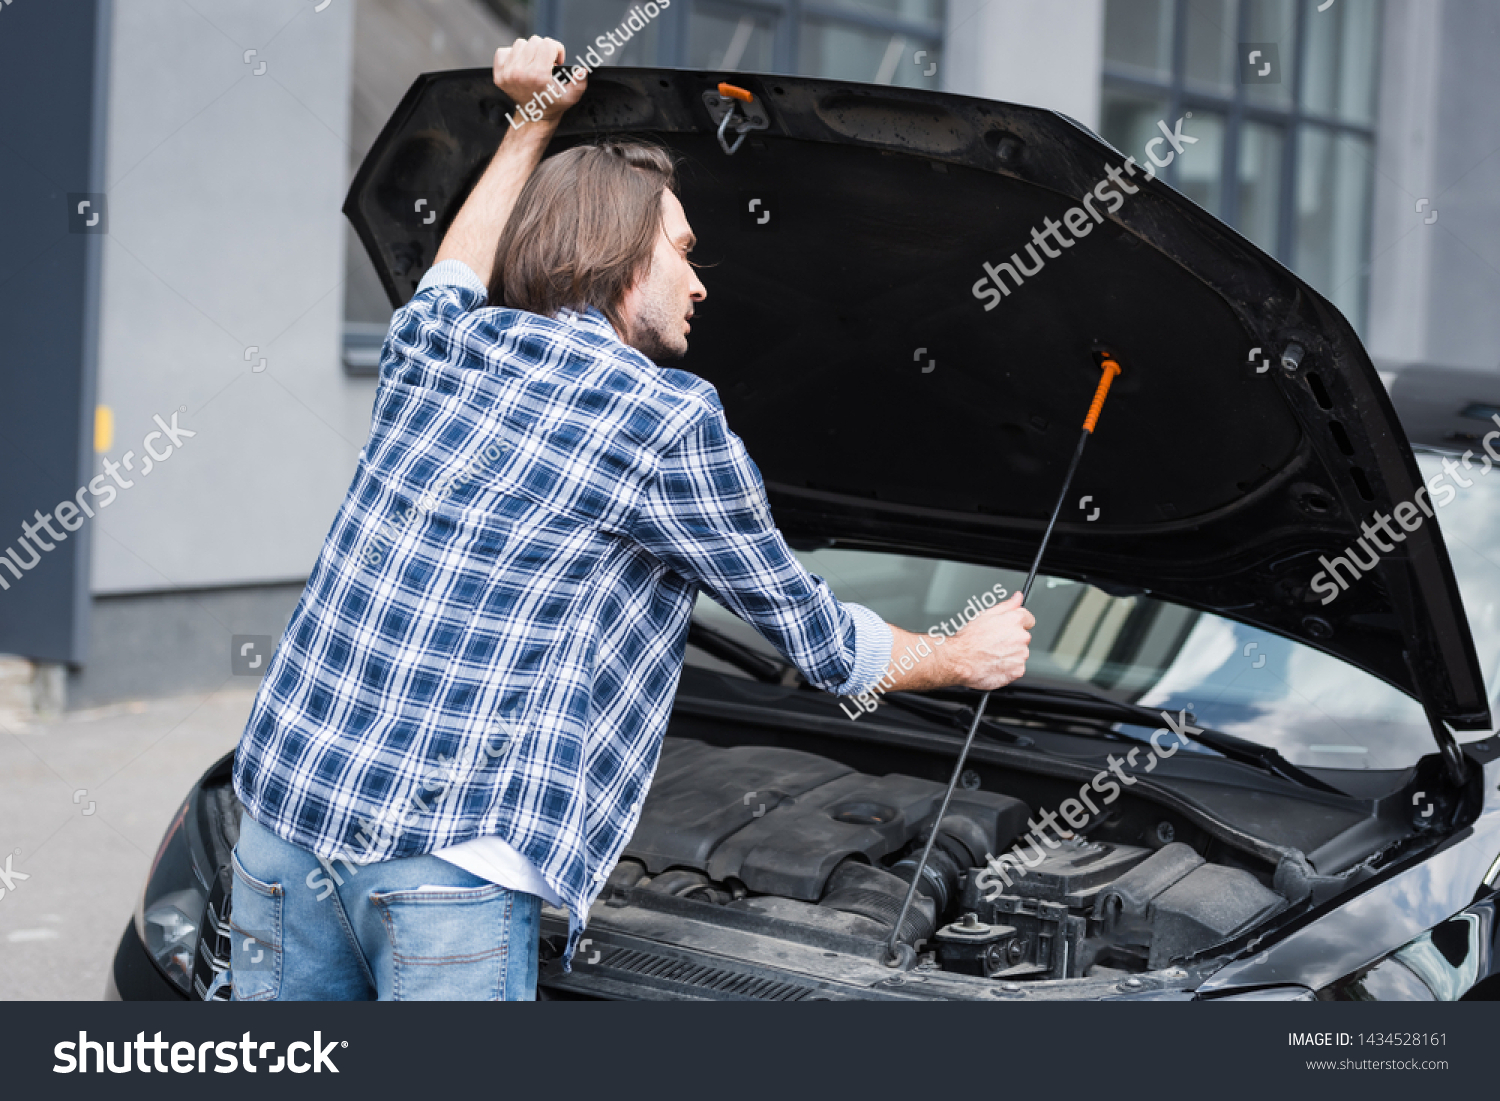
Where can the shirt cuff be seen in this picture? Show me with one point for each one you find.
(873, 640)
(452, 273)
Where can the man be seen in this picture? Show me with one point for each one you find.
(466, 710)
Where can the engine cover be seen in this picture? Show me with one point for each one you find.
(781, 820)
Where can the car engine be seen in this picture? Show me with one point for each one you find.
(819, 849)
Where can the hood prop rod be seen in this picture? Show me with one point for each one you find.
(1455, 764)
(897, 953)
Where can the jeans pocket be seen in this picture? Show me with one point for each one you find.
(454, 944)
(255, 951)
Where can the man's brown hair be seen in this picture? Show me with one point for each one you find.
(583, 229)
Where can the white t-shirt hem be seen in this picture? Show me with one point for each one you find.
(492, 858)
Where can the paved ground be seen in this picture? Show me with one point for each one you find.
(84, 801)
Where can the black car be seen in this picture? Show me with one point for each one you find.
(1215, 781)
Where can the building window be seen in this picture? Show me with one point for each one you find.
(396, 41)
(1282, 97)
(877, 41)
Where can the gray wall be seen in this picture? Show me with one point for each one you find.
(226, 234)
(225, 187)
(224, 190)
(143, 645)
(1434, 287)
(1041, 52)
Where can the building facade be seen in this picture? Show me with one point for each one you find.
(1356, 141)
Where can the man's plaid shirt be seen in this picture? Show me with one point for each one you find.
(491, 638)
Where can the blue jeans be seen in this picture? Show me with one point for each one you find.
(309, 931)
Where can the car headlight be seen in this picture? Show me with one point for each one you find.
(170, 913)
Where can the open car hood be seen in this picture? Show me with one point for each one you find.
(888, 408)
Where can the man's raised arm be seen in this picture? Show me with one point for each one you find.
(524, 73)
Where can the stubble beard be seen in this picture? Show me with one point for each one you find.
(655, 330)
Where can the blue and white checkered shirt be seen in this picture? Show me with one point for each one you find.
(491, 638)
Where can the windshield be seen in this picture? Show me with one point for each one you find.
(1318, 711)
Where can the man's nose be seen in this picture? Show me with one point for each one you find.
(697, 292)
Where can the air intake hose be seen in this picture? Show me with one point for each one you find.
(951, 856)
(874, 893)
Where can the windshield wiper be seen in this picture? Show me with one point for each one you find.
(716, 643)
(1029, 699)
(1026, 700)
(769, 670)
(953, 713)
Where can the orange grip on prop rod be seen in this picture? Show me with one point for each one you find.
(1111, 369)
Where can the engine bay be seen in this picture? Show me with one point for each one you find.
(815, 851)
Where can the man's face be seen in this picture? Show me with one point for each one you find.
(657, 307)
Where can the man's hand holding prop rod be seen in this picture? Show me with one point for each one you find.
(898, 954)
